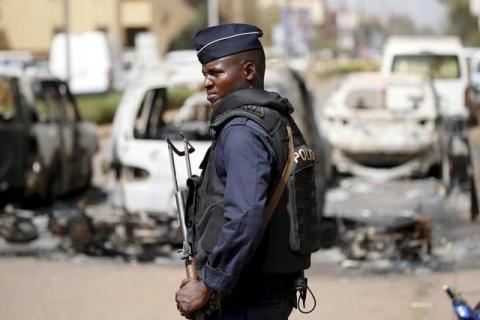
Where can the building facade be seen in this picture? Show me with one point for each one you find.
(31, 25)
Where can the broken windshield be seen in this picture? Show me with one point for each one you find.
(167, 112)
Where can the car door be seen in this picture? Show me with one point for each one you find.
(13, 140)
(144, 179)
(79, 138)
(50, 136)
(58, 137)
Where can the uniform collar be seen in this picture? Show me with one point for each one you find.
(250, 97)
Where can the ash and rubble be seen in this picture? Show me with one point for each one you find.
(394, 226)
(405, 225)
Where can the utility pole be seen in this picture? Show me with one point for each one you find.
(66, 15)
(213, 13)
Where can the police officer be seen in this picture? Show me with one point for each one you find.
(242, 256)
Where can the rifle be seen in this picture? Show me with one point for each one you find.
(187, 253)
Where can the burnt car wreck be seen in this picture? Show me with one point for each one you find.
(369, 237)
(131, 236)
(379, 236)
(383, 127)
(50, 148)
(401, 238)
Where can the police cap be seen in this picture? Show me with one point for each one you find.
(223, 40)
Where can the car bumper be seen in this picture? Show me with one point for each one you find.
(416, 166)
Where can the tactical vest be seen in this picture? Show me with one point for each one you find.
(292, 233)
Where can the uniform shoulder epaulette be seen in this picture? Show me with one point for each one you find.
(266, 117)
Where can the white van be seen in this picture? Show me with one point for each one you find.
(438, 58)
(95, 62)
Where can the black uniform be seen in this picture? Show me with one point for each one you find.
(236, 255)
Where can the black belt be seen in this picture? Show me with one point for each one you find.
(262, 284)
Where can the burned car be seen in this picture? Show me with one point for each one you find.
(47, 148)
(147, 114)
(383, 126)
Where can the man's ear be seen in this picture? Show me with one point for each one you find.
(250, 70)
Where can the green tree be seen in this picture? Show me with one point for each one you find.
(462, 23)
(184, 40)
(401, 25)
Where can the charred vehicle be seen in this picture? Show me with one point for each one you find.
(383, 126)
(47, 149)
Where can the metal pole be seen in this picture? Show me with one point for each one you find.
(66, 14)
(172, 166)
(187, 157)
(212, 13)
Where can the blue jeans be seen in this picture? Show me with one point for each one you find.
(272, 299)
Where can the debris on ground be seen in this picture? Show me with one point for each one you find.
(380, 236)
(131, 236)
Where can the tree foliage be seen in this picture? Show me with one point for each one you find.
(184, 40)
(462, 23)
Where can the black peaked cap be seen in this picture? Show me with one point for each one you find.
(223, 40)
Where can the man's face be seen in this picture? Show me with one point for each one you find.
(223, 76)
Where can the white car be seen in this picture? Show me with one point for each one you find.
(144, 118)
(161, 102)
(383, 126)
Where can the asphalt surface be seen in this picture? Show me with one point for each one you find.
(81, 288)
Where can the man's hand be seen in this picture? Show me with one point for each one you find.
(191, 296)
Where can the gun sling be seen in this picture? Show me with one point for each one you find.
(278, 192)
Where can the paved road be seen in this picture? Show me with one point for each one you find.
(80, 289)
